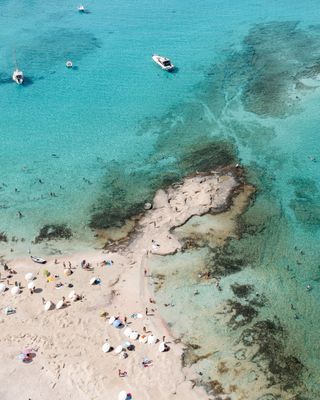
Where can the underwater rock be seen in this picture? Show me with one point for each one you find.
(243, 314)
(3, 237)
(279, 367)
(53, 232)
(242, 291)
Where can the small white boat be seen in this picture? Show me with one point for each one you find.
(69, 64)
(17, 76)
(81, 8)
(38, 260)
(164, 62)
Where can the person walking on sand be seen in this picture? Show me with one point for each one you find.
(146, 310)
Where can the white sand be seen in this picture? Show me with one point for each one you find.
(69, 362)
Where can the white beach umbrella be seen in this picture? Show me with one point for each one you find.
(106, 347)
(71, 294)
(134, 335)
(162, 347)
(2, 287)
(118, 349)
(127, 332)
(111, 320)
(60, 304)
(122, 395)
(29, 276)
(31, 285)
(48, 305)
(143, 339)
(139, 315)
(15, 290)
(67, 271)
(152, 339)
(93, 280)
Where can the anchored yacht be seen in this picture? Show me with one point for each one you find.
(164, 62)
(17, 76)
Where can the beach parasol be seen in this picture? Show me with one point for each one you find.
(162, 347)
(106, 347)
(71, 294)
(60, 304)
(127, 332)
(15, 290)
(122, 395)
(48, 305)
(152, 339)
(118, 349)
(67, 272)
(31, 285)
(134, 335)
(116, 323)
(2, 287)
(143, 339)
(112, 319)
(29, 276)
(95, 281)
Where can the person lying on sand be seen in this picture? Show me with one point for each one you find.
(122, 374)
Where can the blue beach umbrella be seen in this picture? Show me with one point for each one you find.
(116, 323)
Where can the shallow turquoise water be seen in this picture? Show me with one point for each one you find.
(119, 126)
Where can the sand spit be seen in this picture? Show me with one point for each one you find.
(65, 359)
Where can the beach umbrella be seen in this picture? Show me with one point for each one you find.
(127, 332)
(48, 305)
(29, 276)
(15, 290)
(31, 285)
(134, 335)
(112, 319)
(122, 395)
(71, 294)
(2, 287)
(67, 272)
(106, 347)
(123, 355)
(152, 339)
(143, 339)
(116, 323)
(139, 315)
(162, 347)
(118, 349)
(93, 281)
(60, 304)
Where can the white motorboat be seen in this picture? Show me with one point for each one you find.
(81, 9)
(38, 260)
(164, 62)
(69, 64)
(17, 76)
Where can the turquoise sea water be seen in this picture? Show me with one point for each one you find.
(102, 137)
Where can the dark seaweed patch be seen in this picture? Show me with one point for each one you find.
(282, 369)
(3, 237)
(242, 291)
(242, 314)
(306, 201)
(53, 232)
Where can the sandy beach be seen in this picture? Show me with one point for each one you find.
(65, 358)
